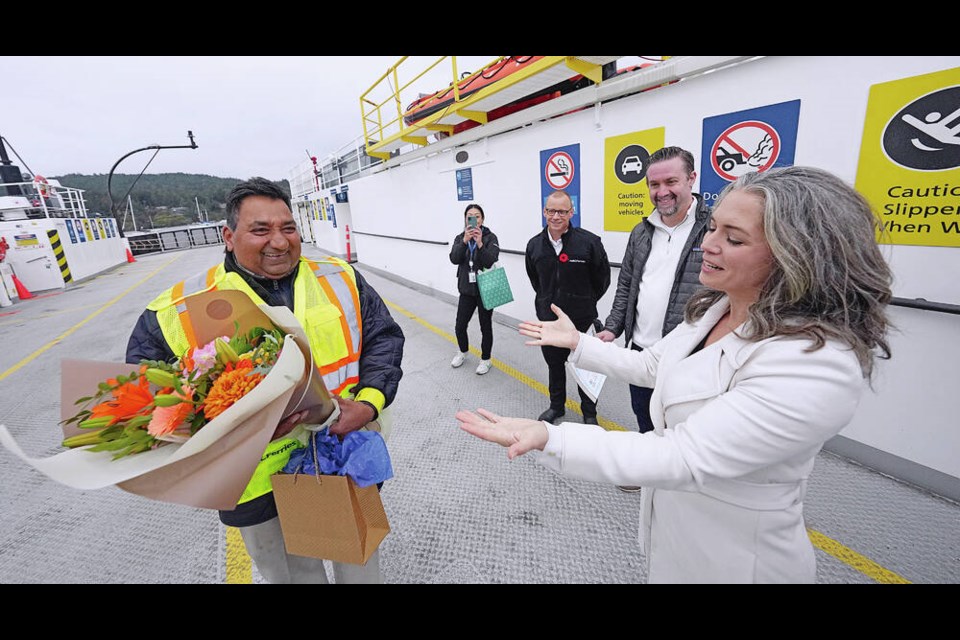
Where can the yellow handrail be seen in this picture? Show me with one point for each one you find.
(372, 111)
(442, 110)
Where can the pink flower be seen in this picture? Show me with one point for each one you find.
(205, 357)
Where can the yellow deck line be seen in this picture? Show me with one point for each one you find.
(90, 317)
(853, 559)
(50, 314)
(239, 567)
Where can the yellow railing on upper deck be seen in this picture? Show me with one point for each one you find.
(382, 105)
(383, 118)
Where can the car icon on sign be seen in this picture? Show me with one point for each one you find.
(631, 164)
(728, 161)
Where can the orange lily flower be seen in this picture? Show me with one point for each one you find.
(186, 362)
(129, 400)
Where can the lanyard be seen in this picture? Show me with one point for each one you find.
(473, 249)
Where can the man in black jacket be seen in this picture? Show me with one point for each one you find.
(661, 266)
(567, 266)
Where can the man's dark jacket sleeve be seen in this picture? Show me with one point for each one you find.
(382, 348)
(147, 341)
(600, 276)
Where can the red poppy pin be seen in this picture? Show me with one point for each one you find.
(564, 257)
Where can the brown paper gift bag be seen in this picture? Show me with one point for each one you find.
(329, 517)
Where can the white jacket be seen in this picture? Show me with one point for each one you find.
(737, 427)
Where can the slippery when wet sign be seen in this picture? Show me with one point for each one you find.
(909, 165)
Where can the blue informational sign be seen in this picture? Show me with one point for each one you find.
(332, 215)
(745, 141)
(465, 184)
(73, 234)
(79, 230)
(560, 170)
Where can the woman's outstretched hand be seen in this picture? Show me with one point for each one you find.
(519, 435)
(552, 333)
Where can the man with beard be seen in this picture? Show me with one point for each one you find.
(661, 266)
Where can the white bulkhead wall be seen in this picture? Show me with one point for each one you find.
(909, 417)
(37, 266)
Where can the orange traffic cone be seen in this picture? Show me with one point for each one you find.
(130, 257)
(22, 292)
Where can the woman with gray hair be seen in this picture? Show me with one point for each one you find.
(769, 363)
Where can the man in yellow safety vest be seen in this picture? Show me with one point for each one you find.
(356, 345)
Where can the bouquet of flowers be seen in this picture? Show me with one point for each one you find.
(191, 432)
(164, 402)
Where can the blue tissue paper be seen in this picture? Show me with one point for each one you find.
(362, 455)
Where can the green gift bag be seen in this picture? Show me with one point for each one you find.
(494, 287)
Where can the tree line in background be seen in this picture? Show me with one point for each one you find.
(159, 200)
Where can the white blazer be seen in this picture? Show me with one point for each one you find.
(737, 427)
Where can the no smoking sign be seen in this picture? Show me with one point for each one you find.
(559, 170)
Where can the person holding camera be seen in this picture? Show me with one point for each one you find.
(474, 249)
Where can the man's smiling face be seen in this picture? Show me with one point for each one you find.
(266, 240)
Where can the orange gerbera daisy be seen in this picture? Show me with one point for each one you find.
(166, 419)
(235, 382)
(130, 399)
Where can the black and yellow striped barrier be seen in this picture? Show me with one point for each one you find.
(58, 252)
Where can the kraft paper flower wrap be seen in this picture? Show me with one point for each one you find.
(211, 469)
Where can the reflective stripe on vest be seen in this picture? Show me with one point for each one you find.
(331, 295)
(172, 311)
(340, 289)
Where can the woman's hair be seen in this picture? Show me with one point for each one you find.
(474, 206)
(829, 279)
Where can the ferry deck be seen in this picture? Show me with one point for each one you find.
(459, 511)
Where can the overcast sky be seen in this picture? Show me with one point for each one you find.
(249, 115)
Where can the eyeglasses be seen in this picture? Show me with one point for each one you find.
(556, 212)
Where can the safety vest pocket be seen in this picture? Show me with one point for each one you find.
(326, 334)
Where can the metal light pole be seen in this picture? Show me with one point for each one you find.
(113, 205)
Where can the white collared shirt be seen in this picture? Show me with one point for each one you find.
(558, 243)
(659, 272)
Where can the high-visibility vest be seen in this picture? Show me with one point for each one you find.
(327, 305)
